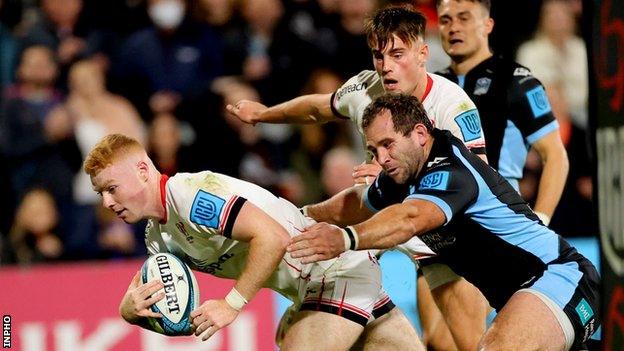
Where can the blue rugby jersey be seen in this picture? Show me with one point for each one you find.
(491, 236)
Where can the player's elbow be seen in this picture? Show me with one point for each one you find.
(279, 241)
(283, 242)
(422, 216)
(409, 224)
(557, 158)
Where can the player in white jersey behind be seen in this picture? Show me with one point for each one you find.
(395, 36)
(234, 229)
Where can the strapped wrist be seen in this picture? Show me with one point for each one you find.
(350, 237)
(235, 299)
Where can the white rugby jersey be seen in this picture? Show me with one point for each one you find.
(201, 211)
(446, 103)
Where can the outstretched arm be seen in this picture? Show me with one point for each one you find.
(306, 109)
(554, 174)
(267, 245)
(393, 225)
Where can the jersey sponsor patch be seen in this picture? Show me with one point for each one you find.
(469, 124)
(436, 181)
(350, 88)
(584, 311)
(538, 101)
(206, 209)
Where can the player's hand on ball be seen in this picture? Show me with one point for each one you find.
(211, 316)
(139, 298)
(318, 242)
(366, 173)
(247, 111)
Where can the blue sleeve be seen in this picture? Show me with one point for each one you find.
(530, 108)
(452, 188)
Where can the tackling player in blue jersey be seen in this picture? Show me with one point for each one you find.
(545, 292)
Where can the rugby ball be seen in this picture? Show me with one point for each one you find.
(181, 293)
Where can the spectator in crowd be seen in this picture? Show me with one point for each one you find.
(172, 59)
(337, 169)
(318, 139)
(36, 142)
(204, 114)
(273, 58)
(352, 53)
(34, 235)
(165, 142)
(219, 14)
(558, 57)
(265, 159)
(94, 113)
(170, 151)
(63, 30)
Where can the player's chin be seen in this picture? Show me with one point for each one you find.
(398, 177)
(456, 53)
(129, 218)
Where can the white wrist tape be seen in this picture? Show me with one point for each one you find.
(235, 299)
(351, 238)
(543, 217)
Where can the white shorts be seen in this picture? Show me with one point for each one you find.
(348, 286)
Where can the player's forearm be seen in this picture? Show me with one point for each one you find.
(552, 181)
(344, 208)
(265, 254)
(305, 109)
(397, 224)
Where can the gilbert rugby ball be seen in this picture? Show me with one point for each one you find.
(181, 293)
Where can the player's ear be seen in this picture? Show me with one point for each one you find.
(423, 54)
(143, 169)
(489, 25)
(419, 134)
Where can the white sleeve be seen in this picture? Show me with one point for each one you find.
(207, 204)
(352, 97)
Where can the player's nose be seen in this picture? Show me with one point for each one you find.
(107, 200)
(382, 156)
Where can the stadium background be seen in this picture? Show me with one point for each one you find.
(63, 295)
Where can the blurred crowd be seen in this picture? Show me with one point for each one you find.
(162, 71)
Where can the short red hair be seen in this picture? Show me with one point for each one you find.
(109, 149)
